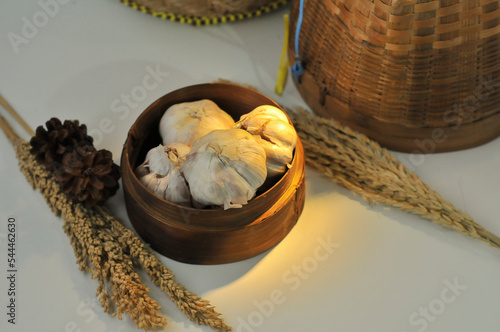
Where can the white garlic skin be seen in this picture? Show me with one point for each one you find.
(171, 187)
(225, 168)
(177, 152)
(186, 122)
(162, 159)
(278, 158)
(274, 133)
(157, 161)
(160, 173)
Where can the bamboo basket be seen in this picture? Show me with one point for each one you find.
(416, 75)
(204, 12)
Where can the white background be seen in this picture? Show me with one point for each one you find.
(388, 268)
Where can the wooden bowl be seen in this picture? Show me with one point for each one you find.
(209, 236)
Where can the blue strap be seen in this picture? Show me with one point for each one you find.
(298, 68)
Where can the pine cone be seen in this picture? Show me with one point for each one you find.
(49, 145)
(88, 176)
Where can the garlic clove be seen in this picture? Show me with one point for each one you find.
(172, 187)
(225, 168)
(274, 133)
(186, 122)
(141, 170)
(278, 158)
(162, 159)
(160, 173)
(161, 186)
(158, 161)
(177, 152)
(264, 112)
(280, 133)
(150, 181)
(177, 190)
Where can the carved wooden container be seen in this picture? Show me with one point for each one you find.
(208, 236)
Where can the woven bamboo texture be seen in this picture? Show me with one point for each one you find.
(415, 75)
(204, 12)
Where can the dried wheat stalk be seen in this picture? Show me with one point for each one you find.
(111, 253)
(363, 166)
(196, 308)
(360, 164)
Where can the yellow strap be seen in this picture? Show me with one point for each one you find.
(283, 68)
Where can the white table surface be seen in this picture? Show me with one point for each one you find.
(386, 270)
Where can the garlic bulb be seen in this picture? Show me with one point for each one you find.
(225, 168)
(274, 133)
(186, 122)
(161, 174)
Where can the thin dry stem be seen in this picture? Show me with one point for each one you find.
(16, 116)
(7, 129)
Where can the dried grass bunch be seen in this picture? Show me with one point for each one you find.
(363, 166)
(111, 253)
